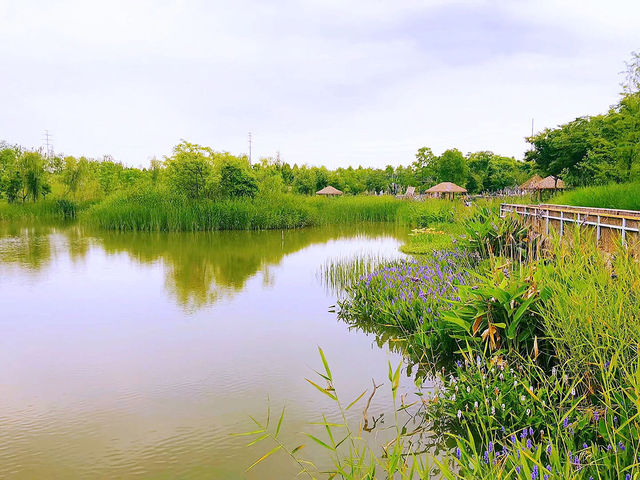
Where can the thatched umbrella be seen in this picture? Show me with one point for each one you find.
(329, 191)
(529, 184)
(446, 188)
(548, 183)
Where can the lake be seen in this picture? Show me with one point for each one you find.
(139, 355)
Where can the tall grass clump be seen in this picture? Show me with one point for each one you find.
(353, 209)
(623, 196)
(42, 210)
(593, 317)
(157, 210)
(338, 273)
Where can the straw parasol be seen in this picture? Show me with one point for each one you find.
(446, 188)
(329, 191)
(529, 184)
(548, 183)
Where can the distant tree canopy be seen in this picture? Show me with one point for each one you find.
(198, 172)
(477, 172)
(592, 150)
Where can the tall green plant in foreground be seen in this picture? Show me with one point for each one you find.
(593, 315)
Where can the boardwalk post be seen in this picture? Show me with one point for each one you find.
(561, 222)
(598, 229)
(624, 231)
(547, 221)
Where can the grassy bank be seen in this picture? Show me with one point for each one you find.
(625, 196)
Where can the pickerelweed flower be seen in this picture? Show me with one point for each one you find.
(458, 453)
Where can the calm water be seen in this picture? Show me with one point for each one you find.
(138, 355)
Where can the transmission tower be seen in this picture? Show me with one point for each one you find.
(249, 148)
(48, 143)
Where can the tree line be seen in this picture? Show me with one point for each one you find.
(197, 171)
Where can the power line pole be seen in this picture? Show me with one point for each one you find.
(249, 148)
(47, 138)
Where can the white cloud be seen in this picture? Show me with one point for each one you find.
(324, 82)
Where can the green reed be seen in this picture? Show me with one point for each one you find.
(339, 273)
(156, 210)
(625, 196)
(42, 210)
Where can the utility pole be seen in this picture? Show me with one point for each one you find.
(49, 145)
(249, 148)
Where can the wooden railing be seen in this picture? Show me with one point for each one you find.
(624, 222)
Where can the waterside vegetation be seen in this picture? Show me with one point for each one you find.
(532, 348)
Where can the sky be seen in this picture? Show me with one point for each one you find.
(323, 82)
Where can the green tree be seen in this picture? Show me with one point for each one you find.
(304, 181)
(189, 169)
(452, 167)
(425, 167)
(237, 182)
(73, 173)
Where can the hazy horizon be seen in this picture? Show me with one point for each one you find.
(322, 83)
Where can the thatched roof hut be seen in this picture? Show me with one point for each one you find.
(548, 183)
(529, 184)
(329, 191)
(446, 189)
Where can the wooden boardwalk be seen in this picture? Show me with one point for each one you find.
(611, 226)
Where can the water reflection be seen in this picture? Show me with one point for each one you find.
(107, 375)
(200, 268)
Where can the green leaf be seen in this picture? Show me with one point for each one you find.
(356, 400)
(326, 365)
(266, 455)
(323, 390)
(319, 442)
(279, 423)
(262, 437)
(299, 447)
